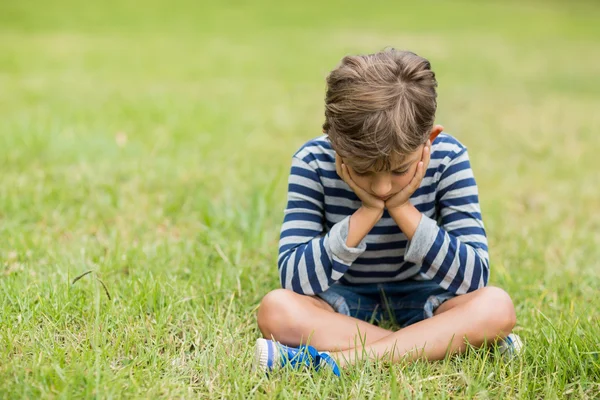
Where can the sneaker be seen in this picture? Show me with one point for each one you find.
(326, 361)
(510, 347)
(270, 355)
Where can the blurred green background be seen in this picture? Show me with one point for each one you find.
(150, 142)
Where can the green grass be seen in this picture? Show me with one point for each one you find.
(150, 142)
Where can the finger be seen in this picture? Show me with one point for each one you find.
(426, 146)
(415, 182)
(338, 165)
(346, 176)
(348, 179)
(426, 155)
(420, 172)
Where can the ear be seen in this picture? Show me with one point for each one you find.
(435, 131)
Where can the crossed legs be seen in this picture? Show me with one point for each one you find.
(479, 317)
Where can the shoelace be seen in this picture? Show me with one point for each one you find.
(300, 356)
(315, 359)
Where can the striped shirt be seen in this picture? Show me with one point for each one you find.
(448, 247)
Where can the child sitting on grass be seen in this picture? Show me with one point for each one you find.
(382, 223)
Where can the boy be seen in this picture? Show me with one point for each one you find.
(382, 222)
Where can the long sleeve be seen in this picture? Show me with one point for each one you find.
(455, 253)
(310, 259)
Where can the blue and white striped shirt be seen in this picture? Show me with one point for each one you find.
(448, 247)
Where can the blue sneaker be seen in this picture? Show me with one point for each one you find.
(326, 361)
(270, 355)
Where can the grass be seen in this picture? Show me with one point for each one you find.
(150, 143)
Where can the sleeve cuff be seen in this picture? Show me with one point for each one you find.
(422, 240)
(337, 243)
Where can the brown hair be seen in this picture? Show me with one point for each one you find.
(379, 106)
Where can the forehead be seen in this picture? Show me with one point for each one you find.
(387, 163)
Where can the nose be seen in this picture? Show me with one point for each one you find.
(382, 185)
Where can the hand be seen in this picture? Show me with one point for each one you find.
(368, 201)
(402, 197)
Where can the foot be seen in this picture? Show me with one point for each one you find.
(270, 355)
(511, 346)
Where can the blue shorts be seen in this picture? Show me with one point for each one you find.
(402, 303)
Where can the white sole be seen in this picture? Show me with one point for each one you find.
(261, 355)
(513, 349)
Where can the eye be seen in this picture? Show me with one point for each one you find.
(362, 173)
(400, 173)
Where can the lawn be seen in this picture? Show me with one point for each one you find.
(149, 142)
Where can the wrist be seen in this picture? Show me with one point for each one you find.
(400, 208)
(374, 212)
(361, 222)
(407, 217)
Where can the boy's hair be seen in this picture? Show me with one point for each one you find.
(379, 106)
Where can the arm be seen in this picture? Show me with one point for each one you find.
(361, 223)
(310, 261)
(455, 254)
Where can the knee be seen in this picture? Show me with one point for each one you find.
(499, 308)
(276, 312)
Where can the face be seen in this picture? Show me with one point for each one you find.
(385, 184)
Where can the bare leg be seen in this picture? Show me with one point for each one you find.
(293, 319)
(484, 315)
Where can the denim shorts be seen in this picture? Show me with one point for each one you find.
(401, 303)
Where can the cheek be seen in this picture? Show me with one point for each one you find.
(401, 181)
(363, 182)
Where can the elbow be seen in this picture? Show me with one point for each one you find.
(282, 268)
(485, 273)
